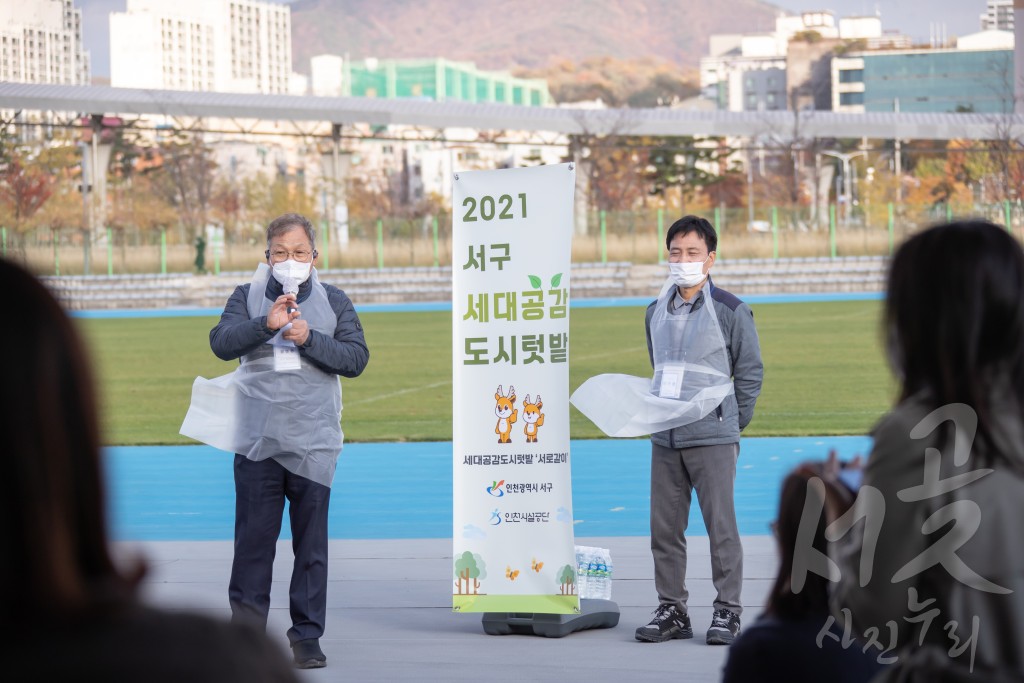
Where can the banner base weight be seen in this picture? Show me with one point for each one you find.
(594, 614)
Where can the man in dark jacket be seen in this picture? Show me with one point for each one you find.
(294, 336)
(702, 454)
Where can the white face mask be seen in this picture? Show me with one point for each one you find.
(687, 274)
(291, 274)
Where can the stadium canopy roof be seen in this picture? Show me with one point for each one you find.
(778, 125)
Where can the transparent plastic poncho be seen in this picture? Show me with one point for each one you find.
(292, 416)
(692, 374)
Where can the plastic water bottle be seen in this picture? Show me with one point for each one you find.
(582, 569)
(608, 577)
(601, 590)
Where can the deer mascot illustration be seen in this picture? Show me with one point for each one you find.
(506, 412)
(533, 418)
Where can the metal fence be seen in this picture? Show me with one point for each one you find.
(636, 236)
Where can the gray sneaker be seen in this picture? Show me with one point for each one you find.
(725, 626)
(668, 623)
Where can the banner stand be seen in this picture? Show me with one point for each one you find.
(594, 614)
(512, 522)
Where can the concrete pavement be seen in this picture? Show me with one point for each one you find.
(389, 612)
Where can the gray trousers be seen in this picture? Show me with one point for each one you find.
(675, 473)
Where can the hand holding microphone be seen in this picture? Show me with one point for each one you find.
(284, 310)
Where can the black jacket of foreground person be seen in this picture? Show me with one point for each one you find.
(68, 611)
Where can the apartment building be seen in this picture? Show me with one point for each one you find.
(41, 42)
(998, 16)
(219, 45)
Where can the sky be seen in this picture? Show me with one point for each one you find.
(912, 17)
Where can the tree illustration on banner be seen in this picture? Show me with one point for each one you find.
(567, 580)
(469, 569)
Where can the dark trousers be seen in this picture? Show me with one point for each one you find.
(260, 491)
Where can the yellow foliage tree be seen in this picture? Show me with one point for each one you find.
(137, 205)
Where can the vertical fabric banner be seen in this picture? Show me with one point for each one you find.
(513, 548)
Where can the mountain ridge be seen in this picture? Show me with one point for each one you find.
(494, 35)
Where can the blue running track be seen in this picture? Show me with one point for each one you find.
(386, 491)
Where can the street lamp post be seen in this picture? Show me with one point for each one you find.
(845, 157)
(750, 190)
(86, 204)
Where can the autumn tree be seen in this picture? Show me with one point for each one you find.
(184, 178)
(368, 198)
(32, 177)
(935, 186)
(686, 165)
(63, 210)
(1005, 150)
(24, 189)
(137, 205)
(614, 166)
(262, 199)
(227, 208)
(877, 191)
(727, 189)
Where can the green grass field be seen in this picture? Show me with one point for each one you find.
(824, 371)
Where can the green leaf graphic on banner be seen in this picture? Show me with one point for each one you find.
(535, 281)
(556, 279)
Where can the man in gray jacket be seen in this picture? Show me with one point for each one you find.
(700, 455)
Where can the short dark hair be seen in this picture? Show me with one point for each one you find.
(56, 562)
(954, 317)
(288, 221)
(688, 224)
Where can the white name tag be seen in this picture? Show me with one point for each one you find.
(671, 381)
(286, 358)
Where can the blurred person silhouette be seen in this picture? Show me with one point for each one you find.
(935, 564)
(784, 645)
(68, 611)
(200, 261)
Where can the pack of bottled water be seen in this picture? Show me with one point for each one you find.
(593, 572)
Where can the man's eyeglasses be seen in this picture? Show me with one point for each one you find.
(300, 255)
